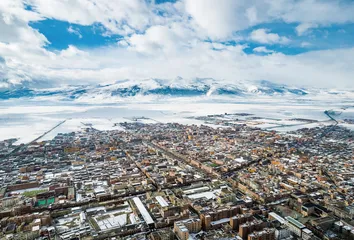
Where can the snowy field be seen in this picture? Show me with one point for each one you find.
(27, 120)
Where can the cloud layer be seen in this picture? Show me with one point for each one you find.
(226, 40)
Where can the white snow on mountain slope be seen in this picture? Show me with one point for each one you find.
(155, 89)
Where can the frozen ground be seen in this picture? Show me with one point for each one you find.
(27, 120)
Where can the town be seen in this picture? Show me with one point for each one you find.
(167, 181)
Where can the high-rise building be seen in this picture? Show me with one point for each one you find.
(239, 219)
(249, 227)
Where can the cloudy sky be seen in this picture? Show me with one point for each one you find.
(297, 42)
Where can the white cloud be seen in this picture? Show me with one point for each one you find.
(217, 18)
(220, 19)
(14, 25)
(72, 51)
(121, 17)
(262, 49)
(306, 44)
(252, 15)
(74, 31)
(173, 43)
(229, 63)
(264, 36)
(162, 39)
(15, 8)
(304, 28)
(315, 11)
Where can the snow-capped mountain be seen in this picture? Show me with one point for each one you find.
(157, 88)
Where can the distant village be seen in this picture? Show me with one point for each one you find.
(173, 181)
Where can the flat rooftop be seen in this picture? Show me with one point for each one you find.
(295, 222)
(146, 215)
(162, 201)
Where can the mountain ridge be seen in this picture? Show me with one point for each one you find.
(179, 87)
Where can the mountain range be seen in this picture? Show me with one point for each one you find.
(157, 88)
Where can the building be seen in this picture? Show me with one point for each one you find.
(275, 217)
(249, 227)
(239, 219)
(307, 234)
(265, 234)
(294, 226)
(183, 228)
(146, 215)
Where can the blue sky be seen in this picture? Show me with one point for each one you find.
(62, 34)
(100, 41)
(61, 37)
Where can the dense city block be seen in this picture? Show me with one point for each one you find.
(174, 181)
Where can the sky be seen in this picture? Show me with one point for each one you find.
(77, 42)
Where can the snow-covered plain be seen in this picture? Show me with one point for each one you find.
(30, 118)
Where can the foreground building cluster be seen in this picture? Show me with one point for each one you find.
(174, 181)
